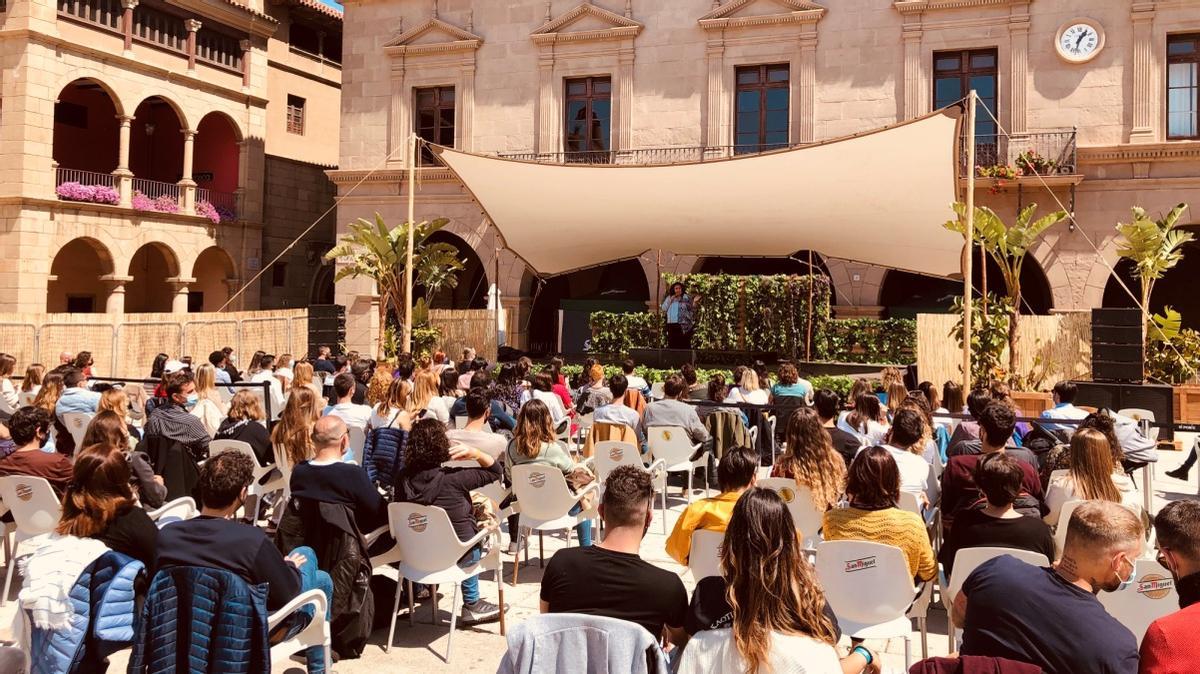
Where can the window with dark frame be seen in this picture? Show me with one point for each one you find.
(762, 110)
(81, 304)
(434, 119)
(1183, 87)
(279, 275)
(295, 115)
(587, 120)
(955, 74)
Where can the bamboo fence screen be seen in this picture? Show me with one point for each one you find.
(468, 328)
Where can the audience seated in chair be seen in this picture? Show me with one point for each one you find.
(1051, 617)
(905, 442)
(1170, 645)
(110, 430)
(811, 460)
(477, 433)
(616, 411)
(174, 439)
(968, 429)
(100, 504)
(736, 473)
(245, 424)
(29, 428)
(355, 415)
(672, 411)
(1092, 475)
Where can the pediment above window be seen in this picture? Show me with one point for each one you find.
(746, 13)
(587, 22)
(433, 36)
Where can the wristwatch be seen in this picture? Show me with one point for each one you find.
(865, 653)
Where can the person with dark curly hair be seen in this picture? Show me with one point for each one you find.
(30, 428)
(426, 481)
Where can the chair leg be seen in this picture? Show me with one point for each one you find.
(433, 592)
(500, 590)
(664, 509)
(541, 550)
(453, 621)
(412, 609)
(517, 557)
(924, 625)
(395, 611)
(949, 635)
(907, 652)
(12, 565)
(569, 532)
(691, 472)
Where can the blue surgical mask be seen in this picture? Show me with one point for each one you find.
(191, 401)
(1128, 583)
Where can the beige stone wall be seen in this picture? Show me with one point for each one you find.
(297, 195)
(855, 66)
(316, 80)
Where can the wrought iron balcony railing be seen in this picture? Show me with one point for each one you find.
(647, 156)
(1042, 153)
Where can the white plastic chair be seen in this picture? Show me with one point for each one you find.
(358, 440)
(544, 501)
(77, 424)
(429, 552)
(869, 588)
(608, 455)
(183, 508)
(672, 445)
(460, 422)
(35, 510)
(704, 559)
(26, 398)
(656, 391)
(967, 560)
(1060, 530)
(316, 633)
(807, 517)
(256, 490)
(1138, 414)
(583, 428)
(931, 516)
(284, 465)
(1150, 598)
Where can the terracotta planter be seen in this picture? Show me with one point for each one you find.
(1032, 403)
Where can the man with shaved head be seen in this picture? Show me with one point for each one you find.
(328, 479)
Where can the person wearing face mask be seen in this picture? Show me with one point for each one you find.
(1050, 616)
(1170, 645)
(171, 427)
(29, 428)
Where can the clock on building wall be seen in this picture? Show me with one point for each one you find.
(1079, 41)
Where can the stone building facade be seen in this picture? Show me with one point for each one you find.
(135, 136)
(690, 80)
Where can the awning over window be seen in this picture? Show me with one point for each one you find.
(879, 197)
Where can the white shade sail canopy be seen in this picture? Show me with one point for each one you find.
(879, 197)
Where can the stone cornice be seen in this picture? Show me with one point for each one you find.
(389, 175)
(1183, 150)
(461, 40)
(119, 211)
(722, 17)
(919, 6)
(620, 27)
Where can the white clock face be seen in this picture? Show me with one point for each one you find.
(1079, 42)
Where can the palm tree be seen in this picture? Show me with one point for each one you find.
(1154, 247)
(376, 251)
(1007, 246)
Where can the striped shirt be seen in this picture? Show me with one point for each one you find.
(175, 423)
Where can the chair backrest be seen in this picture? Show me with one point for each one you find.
(424, 535)
(656, 391)
(26, 398)
(542, 491)
(967, 560)
(910, 502)
(669, 443)
(358, 440)
(865, 583)
(608, 455)
(31, 500)
(1060, 531)
(221, 446)
(180, 509)
(77, 424)
(705, 558)
(1138, 414)
(1150, 598)
(805, 514)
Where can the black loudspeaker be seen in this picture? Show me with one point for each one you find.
(1158, 399)
(662, 358)
(326, 327)
(1118, 346)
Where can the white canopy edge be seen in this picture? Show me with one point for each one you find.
(879, 197)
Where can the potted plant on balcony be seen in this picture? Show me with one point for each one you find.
(1030, 162)
(95, 194)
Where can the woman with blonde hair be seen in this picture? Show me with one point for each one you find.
(303, 377)
(1093, 475)
(766, 612)
(425, 402)
(896, 394)
(811, 461)
(116, 401)
(293, 431)
(534, 441)
(109, 428)
(48, 394)
(209, 409)
(378, 384)
(867, 420)
(245, 423)
(9, 402)
(392, 410)
(749, 391)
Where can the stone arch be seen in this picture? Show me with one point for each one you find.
(473, 281)
(216, 159)
(620, 285)
(1174, 289)
(86, 131)
(156, 142)
(91, 75)
(214, 273)
(77, 277)
(154, 271)
(905, 294)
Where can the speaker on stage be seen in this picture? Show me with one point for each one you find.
(662, 359)
(1118, 345)
(326, 327)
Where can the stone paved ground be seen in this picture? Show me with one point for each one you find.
(421, 648)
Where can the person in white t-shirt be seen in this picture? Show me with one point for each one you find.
(477, 433)
(356, 416)
(266, 373)
(632, 381)
(906, 432)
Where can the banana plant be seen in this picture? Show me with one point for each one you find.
(378, 252)
(1154, 247)
(1007, 246)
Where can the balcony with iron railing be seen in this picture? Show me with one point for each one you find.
(649, 156)
(1049, 157)
(145, 195)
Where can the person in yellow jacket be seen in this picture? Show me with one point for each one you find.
(736, 473)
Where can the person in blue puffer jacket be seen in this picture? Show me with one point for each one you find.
(387, 435)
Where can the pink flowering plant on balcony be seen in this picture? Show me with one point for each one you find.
(209, 211)
(162, 204)
(96, 194)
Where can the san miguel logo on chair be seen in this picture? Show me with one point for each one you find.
(787, 494)
(863, 564)
(537, 480)
(666, 435)
(24, 492)
(417, 522)
(616, 453)
(1154, 586)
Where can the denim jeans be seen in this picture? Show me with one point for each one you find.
(470, 586)
(311, 578)
(583, 529)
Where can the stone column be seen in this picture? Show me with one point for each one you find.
(715, 56)
(123, 176)
(187, 186)
(192, 26)
(1145, 92)
(466, 109)
(127, 23)
(116, 297)
(914, 93)
(624, 131)
(245, 45)
(805, 114)
(549, 128)
(396, 117)
(179, 284)
(1018, 28)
